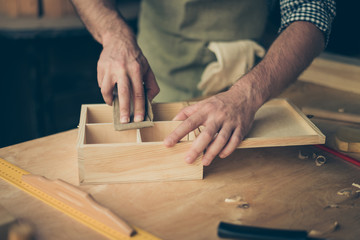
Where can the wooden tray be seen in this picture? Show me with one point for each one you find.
(109, 156)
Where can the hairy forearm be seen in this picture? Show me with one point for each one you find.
(102, 19)
(288, 56)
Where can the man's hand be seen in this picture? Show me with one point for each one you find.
(226, 117)
(122, 62)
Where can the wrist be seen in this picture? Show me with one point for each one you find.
(253, 89)
(117, 30)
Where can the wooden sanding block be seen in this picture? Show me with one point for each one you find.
(148, 120)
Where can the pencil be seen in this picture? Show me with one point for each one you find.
(338, 154)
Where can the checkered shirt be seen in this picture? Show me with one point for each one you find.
(319, 12)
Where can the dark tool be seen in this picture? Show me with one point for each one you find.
(227, 230)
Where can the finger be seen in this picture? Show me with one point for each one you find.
(233, 143)
(137, 93)
(182, 130)
(151, 86)
(124, 88)
(217, 145)
(186, 112)
(100, 74)
(107, 87)
(200, 144)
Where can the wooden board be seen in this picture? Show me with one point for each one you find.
(334, 71)
(282, 190)
(109, 156)
(280, 123)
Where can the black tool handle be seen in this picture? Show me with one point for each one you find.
(227, 230)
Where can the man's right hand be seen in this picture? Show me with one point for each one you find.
(122, 62)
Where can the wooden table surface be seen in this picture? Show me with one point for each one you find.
(283, 191)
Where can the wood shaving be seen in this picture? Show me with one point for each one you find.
(324, 230)
(332, 206)
(356, 185)
(244, 205)
(344, 192)
(320, 160)
(234, 199)
(301, 156)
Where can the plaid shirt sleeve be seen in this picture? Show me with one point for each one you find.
(319, 12)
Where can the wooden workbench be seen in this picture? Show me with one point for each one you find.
(282, 190)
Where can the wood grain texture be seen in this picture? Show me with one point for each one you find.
(78, 200)
(136, 155)
(331, 115)
(333, 73)
(282, 191)
(280, 123)
(107, 156)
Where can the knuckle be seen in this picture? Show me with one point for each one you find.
(135, 68)
(208, 134)
(190, 123)
(139, 95)
(222, 138)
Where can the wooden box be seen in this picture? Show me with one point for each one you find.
(107, 156)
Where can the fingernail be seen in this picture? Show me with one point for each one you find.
(138, 118)
(206, 162)
(188, 159)
(124, 119)
(168, 142)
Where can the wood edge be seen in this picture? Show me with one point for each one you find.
(99, 145)
(319, 138)
(306, 119)
(326, 114)
(313, 75)
(82, 123)
(341, 145)
(288, 141)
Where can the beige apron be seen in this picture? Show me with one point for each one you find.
(174, 35)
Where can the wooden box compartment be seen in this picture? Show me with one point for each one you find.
(137, 155)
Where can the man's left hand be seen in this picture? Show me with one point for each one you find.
(226, 117)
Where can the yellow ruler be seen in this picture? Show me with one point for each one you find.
(36, 186)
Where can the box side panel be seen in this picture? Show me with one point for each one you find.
(148, 162)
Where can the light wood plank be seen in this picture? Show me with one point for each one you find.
(110, 163)
(337, 73)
